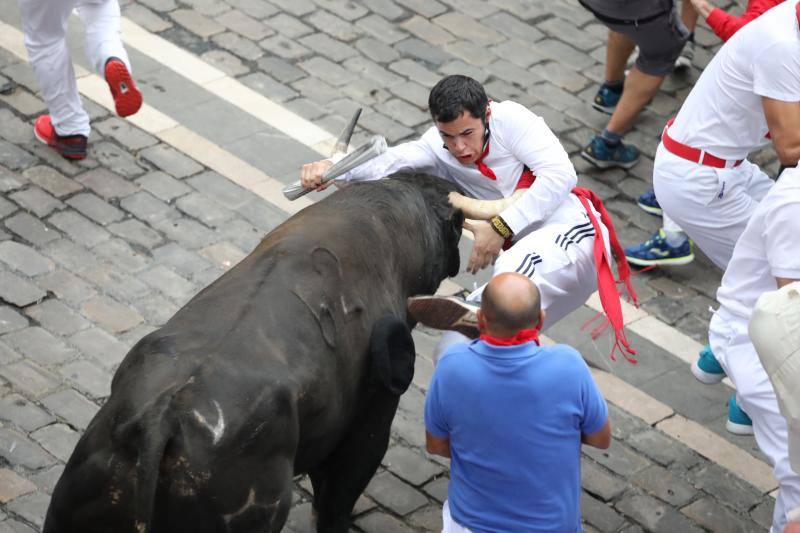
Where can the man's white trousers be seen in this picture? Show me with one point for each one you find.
(44, 23)
(754, 394)
(712, 205)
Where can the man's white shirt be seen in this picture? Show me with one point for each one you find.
(723, 113)
(768, 249)
(518, 138)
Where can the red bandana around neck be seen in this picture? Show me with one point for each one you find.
(523, 336)
(484, 169)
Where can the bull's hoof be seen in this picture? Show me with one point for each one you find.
(445, 312)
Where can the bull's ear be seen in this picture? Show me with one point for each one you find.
(454, 257)
(392, 351)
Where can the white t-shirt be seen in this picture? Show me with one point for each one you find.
(723, 113)
(517, 138)
(769, 248)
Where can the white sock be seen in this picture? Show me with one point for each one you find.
(675, 238)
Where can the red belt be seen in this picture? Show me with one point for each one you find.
(693, 154)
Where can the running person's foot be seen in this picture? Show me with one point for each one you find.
(738, 423)
(445, 312)
(656, 251)
(707, 369)
(604, 155)
(127, 98)
(67, 146)
(607, 98)
(686, 58)
(649, 203)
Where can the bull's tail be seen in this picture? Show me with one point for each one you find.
(152, 429)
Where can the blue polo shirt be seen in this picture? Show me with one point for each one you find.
(514, 416)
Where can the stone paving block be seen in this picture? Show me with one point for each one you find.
(73, 407)
(24, 259)
(653, 515)
(58, 439)
(238, 45)
(29, 378)
(377, 26)
(295, 7)
(221, 190)
(51, 181)
(725, 487)
(317, 90)
(163, 186)
(100, 346)
(6, 207)
(181, 260)
(410, 466)
(696, 400)
(618, 458)
(419, 49)
(226, 62)
(378, 522)
(110, 314)
(393, 494)
(14, 526)
(147, 208)
(66, 286)
(437, 489)
(664, 450)
(111, 156)
(241, 234)
(426, 8)
(10, 320)
(160, 5)
(56, 317)
(244, 25)
(18, 449)
(299, 519)
(32, 507)
(403, 113)
(146, 18)
(210, 8)
(156, 309)
(15, 130)
(106, 184)
(339, 29)
(564, 30)
(457, 66)
(117, 285)
(46, 479)
(120, 254)
(599, 482)
(325, 69)
(125, 133)
(13, 486)
(8, 355)
(762, 513)
(513, 27)
(716, 517)
(207, 277)
(427, 519)
(23, 413)
(387, 8)
(289, 26)
(427, 31)
(413, 93)
(24, 102)
(223, 254)
(373, 71)
(136, 232)
(93, 207)
(600, 515)
(187, 232)
(168, 282)
(381, 124)
(79, 228)
(31, 229)
(171, 161)
(36, 201)
(285, 47)
(15, 290)
(665, 485)
(39, 345)
(87, 377)
(9, 180)
(270, 88)
(469, 28)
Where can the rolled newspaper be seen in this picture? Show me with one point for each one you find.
(369, 150)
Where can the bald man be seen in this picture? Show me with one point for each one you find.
(512, 415)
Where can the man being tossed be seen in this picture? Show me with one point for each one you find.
(512, 415)
(502, 151)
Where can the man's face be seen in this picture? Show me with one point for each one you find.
(464, 137)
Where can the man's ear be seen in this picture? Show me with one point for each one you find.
(541, 320)
(488, 111)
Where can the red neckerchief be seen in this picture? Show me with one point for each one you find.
(522, 336)
(606, 284)
(484, 169)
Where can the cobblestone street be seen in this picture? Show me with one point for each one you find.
(96, 254)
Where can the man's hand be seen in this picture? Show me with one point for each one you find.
(702, 7)
(487, 245)
(311, 175)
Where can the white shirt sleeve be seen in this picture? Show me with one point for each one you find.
(532, 142)
(414, 155)
(776, 72)
(781, 228)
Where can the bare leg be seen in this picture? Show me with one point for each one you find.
(639, 89)
(619, 49)
(688, 15)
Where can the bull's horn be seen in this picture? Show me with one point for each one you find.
(344, 138)
(482, 209)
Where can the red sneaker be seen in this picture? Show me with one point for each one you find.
(127, 98)
(68, 146)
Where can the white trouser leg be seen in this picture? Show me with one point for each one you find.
(669, 224)
(448, 524)
(756, 397)
(101, 21)
(44, 24)
(712, 205)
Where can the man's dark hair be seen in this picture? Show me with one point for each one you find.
(455, 94)
(510, 316)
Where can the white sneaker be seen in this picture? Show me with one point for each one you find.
(686, 58)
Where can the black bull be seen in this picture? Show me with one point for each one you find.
(292, 362)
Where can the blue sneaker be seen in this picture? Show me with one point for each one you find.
(602, 155)
(656, 251)
(607, 98)
(707, 369)
(649, 203)
(738, 422)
